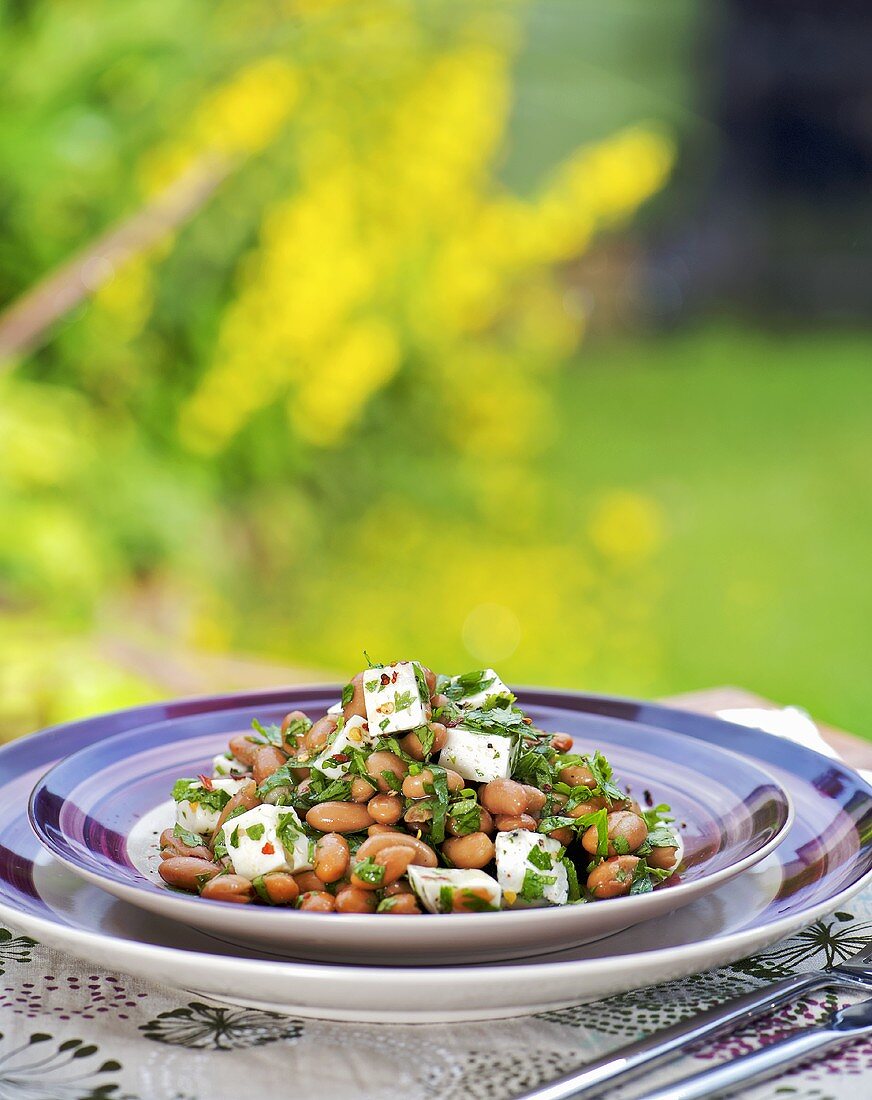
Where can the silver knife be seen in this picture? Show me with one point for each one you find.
(845, 1026)
(626, 1061)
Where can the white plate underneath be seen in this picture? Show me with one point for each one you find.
(713, 931)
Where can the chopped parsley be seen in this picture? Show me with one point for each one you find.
(460, 687)
(534, 767)
(540, 858)
(621, 845)
(261, 890)
(347, 694)
(403, 700)
(392, 780)
(446, 899)
(281, 777)
(535, 885)
(599, 819)
(645, 878)
(296, 730)
(219, 848)
(438, 802)
(421, 680)
(192, 790)
(465, 817)
(288, 831)
(572, 876)
(192, 840)
(370, 872)
(473, 903)
(425, 736)
(255, 832)
(502, 721)
(271, 734)
(602, 773)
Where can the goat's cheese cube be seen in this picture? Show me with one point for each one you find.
(225, 763)
(334, 709)
(199, 802)
(436, 888)
(472, 690)
(335, 760)
(267, 838)
(479, 757)
(396, 698)
(529, 869)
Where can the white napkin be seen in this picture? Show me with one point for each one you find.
(790, 722)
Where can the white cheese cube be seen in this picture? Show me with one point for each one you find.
(226, 764)
(335, 759)
(201, 814)
(530, 881)
(267, 838)
(479, 757)
(396, 698)
(336, 708)
(436, 887)
(473, 689)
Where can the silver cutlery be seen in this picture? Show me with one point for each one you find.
(844, 1026)
(627, 1061)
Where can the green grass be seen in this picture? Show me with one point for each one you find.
(759, 451)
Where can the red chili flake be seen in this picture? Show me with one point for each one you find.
(394, 676)
(340, 758)
(205, 781)
(268, 849)
(385, 679)
(528, 721)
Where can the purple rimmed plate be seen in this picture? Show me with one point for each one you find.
(101, 809)
(825, 860)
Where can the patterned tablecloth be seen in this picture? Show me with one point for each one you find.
(71, 1031)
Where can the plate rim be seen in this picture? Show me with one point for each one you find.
(732, 945)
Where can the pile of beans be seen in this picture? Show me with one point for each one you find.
(386, 815)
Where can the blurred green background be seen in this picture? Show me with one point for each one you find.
(495, 333)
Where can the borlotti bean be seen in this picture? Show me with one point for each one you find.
(414, 793)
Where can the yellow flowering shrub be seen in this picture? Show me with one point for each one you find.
(312, 417)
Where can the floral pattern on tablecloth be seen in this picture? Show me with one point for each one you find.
(69, 1031)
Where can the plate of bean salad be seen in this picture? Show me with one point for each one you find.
(431, 798)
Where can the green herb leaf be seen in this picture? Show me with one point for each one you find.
(260, 890)
(599, 819)
(438, 802)
(572, 876)
(192, 790)
(281, 777)
(475, 904)
(425, 736)
(347, 694)
(540, 858)
(403, 700)
(255, 832)
(270, 735)
(465, 817)
(535, 884)
(219, 848)
(370, 872)
(296, 731)
(393, 781)
(193, 840)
